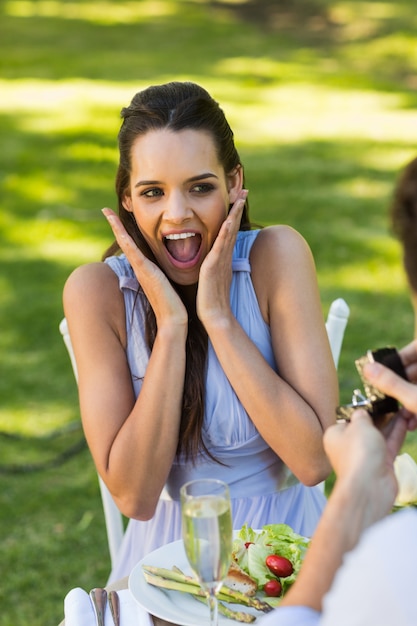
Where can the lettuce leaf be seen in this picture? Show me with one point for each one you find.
(251, 548)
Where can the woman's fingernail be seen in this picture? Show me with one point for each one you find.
(108, 215)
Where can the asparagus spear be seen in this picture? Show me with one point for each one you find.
(238, 616)
(198, 594)
(176, 580)
(173, 585)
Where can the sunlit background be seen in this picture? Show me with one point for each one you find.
(322, 98)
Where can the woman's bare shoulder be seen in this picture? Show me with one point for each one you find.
(280, 243)
(94, 306)
(90, 277)
(281, 264)
(92, 286)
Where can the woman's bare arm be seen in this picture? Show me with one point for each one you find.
(293, 408)
(133, 443)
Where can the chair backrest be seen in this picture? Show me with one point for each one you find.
(335, 325)
(337, 319)
(112, 515)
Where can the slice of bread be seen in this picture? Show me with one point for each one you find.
(239, 580)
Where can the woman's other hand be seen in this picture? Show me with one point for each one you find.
(213, 295)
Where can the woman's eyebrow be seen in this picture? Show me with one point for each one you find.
(141, 183)
(192, 179)
(201, 176)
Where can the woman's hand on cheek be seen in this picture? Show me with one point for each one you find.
(125, 241)
(164, 300)
(213, 295)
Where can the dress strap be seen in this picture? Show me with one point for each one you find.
(128, 282)
(241, 265)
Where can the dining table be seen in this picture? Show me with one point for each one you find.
(121, 585)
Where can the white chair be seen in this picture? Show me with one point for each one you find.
(335, 325)
(112, 515)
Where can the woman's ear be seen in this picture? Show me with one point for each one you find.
(235, 183)
(127, 203)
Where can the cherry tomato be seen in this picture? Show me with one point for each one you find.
(279, 565)
(273, 588)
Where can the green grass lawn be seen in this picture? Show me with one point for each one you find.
(322, 98)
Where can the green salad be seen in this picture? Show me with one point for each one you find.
(252, 548)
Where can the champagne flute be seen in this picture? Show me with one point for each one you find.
(208, 535)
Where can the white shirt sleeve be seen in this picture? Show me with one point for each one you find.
(377, 583)
(291, 616)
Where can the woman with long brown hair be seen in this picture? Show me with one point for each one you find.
(200, 343)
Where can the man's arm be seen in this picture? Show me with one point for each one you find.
(356, 450)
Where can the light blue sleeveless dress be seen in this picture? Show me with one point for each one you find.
(262, 488)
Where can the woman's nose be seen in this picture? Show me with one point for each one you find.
(177, 207)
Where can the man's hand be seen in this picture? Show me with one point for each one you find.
(363, 458)
(393, 385)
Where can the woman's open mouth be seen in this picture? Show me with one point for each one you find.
(183, 248)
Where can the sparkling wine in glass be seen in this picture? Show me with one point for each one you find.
(208, 535)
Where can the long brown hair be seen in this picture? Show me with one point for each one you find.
(177, 106)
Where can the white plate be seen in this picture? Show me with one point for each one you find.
(173, 606)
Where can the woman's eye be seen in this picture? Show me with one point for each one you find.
(152, 193)
(203, 187)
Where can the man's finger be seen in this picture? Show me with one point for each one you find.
(391, 384)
